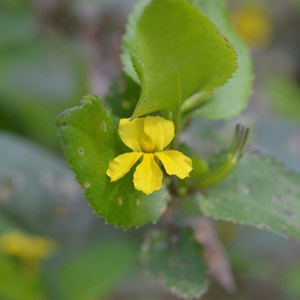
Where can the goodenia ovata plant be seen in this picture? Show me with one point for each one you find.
(181, 59)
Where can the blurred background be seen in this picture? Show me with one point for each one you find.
(53, 52)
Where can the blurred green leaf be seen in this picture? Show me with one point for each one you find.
(297, 3)
(90, 141)
(41, 76)
(176, 260)
(17, 28)
(37, 191)
(174, 60)
(291, 282)
(15, 4)
(129, 47)
(95, 271)
(285, 96)
(123, 96)
(17, 283)
(232, 98)
(259, 192)
(6, 224)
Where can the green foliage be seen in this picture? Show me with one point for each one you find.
(297, 3)
(90, 141)
(93, 272)
(225, 163)
(130, 54)
(5, 224)
(182, 59)
(16, 283)
(232, 98)
(41, 74)
(291, 282)
(169, 69)
(17, 27)
(123, 96)
(36, 188)
(261, 193)
(176, 260)
(285, 96)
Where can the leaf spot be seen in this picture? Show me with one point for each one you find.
(103, 126)
(138, 202)
(276, 199)
(289, 191)
(246, 190)
(126, 104)
(63, 125)
(288, 213)
(81, 151)
(86, 185)
(120, 201)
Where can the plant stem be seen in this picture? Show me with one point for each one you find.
(194, 102)
(177, 124)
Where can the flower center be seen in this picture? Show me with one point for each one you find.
(147, 145)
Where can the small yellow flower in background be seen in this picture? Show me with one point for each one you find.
(253, 23)
(25, 246)
(148, 137)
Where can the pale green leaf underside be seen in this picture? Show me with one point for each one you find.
(232, 98)
(179, 52)
(261, 193)
(90, 141)
(176, 260)
(129, 52)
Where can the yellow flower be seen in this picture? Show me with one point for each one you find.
(148, 137)
(253, 23)
(25, 246)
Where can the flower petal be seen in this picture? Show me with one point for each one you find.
(160, 130)
(122, 164)
(131, 132)
(175, 163)
(148, 134)
(148, 176)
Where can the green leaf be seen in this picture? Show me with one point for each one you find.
(5, 224)
(18, 283)
(179, 53)
(260, 193)
(90, 141)
(176, 260)
(123, 96)
(37, 189)
(39, 79)
(291, 281)
(94, 272)
(232, 98)
(129, 51)
(297, 2)
(285, 96)
(18, 27)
